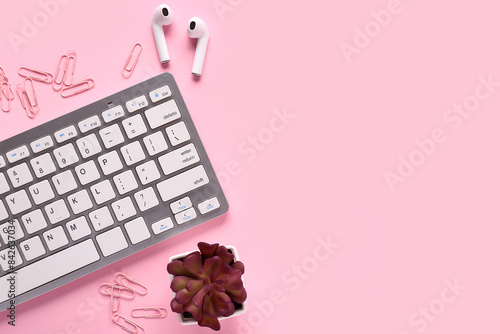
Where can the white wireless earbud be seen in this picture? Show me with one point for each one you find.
(198, 29)
(162, 17)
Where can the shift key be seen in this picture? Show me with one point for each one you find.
(182, 183)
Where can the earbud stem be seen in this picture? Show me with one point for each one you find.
(161, 43)
(199, 56)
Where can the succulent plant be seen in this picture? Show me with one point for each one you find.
(207, 284)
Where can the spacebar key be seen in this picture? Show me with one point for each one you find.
(50, 268)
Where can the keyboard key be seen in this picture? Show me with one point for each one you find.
(209, 205)
(17, 202)
(57, 211)
(111, 136)
(160, 94)
(113, 113)
(134, 126)
(41, 192)
(123, 209)
(78, 228)
(43, 165)
(182, 183)
(89, 124)
(34, 221)
(102, 192)
(132, 153)
(3, 211)
(146, 199)
(55, 238)
(101, 218)
(178, 159)
(181, 205)
(19, 175)
(162, 114)
(125, 182)
(87, 172)
(52, 267)
(18, 154)
(80, 201)
(66, 155)
(110, 162)
(65, 134)
(4, 185)
(42, 144)
(14, 230)
(7, 255)
(155, 143)
(137, 230)
(111, 241)
(32, 248)
(136, 104)
(64, 182)
(148, 172)
(185, 216)
(88, 146)
(2, 162)
(178, 133)
(162, 225)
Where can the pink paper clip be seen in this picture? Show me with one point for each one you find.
(36, 75)
(120, 278)
(70, 68)
(134, 327)
(114, 300)
(75, 89)
(127, 69)
(60, 73)
(2, 93)
(30, 104)
(116, 290)
(149, 312)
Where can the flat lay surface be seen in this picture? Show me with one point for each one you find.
(355, 143)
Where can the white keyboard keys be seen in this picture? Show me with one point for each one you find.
(137, 230)
(43, 165)
(111, 136)
(113, 113)
(42, 144)
(185, 216)
(18, 154)
(182, 183)
(89, 124)
(34, 221)
(181, 205)
(87, 172)
(3, 211)
(8, 255)
(101, 218)
(65, 134)
(102, 191)
(160, 93)
(64, 182)
(125, 182)
(162, 225)
(4, 185)
(57, 211)
(18, 202)
(88, 146)
(148, 172)
(41, 192)
(134, 126)
(55, 238)
(136, 104)
(32, 248)
(132, 153)
(2, 162)
(110, 162)
(78, 228)
(155, 143)
(178, 159)
(209, 205)
(66, 155)
(51, 267)
(123, 209)
(19, 175)
(162, 114)
(14, 230)
(111, 241)
(80, 201)
(178, 133)
(146, 199)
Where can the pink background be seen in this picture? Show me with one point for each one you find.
(320, 175)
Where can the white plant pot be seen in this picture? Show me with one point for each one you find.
(191, 321)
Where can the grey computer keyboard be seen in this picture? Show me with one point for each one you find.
(98, 184)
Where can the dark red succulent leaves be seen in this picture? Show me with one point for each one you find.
(206, 284)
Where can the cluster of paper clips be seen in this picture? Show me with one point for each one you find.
(125, 287)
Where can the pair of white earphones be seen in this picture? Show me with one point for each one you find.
(196, 29)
